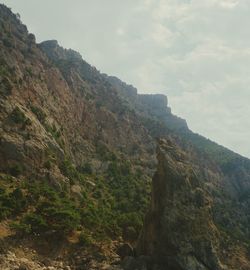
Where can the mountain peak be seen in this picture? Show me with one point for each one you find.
(55, 51)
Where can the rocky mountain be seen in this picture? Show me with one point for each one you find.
(77, 154)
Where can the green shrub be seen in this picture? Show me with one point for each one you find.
(6, 86)
(11, 203)
(18, 117)
(64, 220)
(85, 169)
(56, 133)
(3, 71)
(68, 169)
(4, 212)
(53, 212)
(104, 153)
(29, 71)
(85, 239)
(41, 116)
(111, 205)
(21, 228)
(48, 164)
(16, 169)
(130, 220)
(18, 200)
(35, 222)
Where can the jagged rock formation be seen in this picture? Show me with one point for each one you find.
(55, 52)
(179, 232)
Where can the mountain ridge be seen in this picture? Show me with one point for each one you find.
(77, 153)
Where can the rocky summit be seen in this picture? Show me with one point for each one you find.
(94, 175)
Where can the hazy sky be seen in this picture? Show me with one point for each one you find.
(197, 52)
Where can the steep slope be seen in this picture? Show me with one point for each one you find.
(73, 157)
(77, 152)
(66, 129)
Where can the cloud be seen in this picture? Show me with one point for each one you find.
(197, 52)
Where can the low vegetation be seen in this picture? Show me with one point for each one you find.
(109, 205)
(18, 117)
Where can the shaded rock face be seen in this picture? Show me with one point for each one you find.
(179, 232)
(154, 106)
(54, 51)
(157, 104)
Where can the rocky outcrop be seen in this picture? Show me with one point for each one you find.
(152, 106)
(54, 51)
(157, 104)
(179, 232)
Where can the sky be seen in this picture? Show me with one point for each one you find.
(197, 52)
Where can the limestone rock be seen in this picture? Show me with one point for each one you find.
(179, 232)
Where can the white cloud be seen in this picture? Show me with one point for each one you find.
(195, 51)
(229, 3)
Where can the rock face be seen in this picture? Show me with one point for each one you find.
(179, 232)
(54, 51)
(91, 139)
(154, 106)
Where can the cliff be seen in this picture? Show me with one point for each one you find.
(180, 230)
(77, 153)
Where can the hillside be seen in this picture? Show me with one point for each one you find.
(77, 154)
